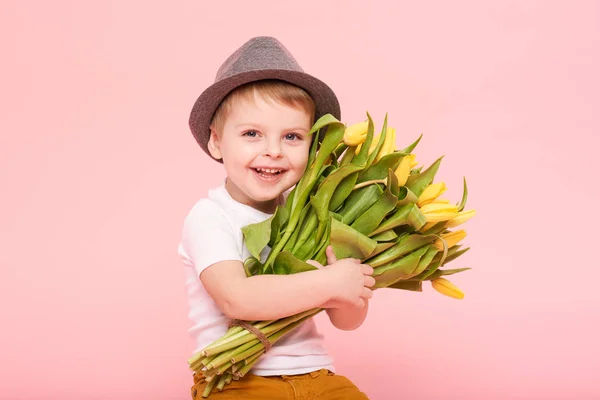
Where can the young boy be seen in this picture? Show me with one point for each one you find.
(255, 119)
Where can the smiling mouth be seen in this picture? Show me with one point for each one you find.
(269, 172)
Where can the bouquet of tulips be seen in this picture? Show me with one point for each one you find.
(367, 200)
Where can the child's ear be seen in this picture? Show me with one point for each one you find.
(214, 144)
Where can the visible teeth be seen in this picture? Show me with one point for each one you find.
(268, 170)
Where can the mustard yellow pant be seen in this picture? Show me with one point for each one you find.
(316, 385)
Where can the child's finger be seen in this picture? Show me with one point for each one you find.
(366, 269)
(331, 258)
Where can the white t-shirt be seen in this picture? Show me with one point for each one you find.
(212, 232)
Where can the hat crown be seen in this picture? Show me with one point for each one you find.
(259, 53)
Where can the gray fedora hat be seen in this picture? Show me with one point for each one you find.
(259, 58)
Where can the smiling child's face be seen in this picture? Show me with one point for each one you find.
(264, 146)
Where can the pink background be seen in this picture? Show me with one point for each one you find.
(98, 169)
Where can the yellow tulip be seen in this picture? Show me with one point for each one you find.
(403, 170)
(437, 212)
(389, 145)
(451, 239)
(431, 192)
(444, 286)
(356, 134)
(462, 217)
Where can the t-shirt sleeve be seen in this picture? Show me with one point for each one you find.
(208, 237)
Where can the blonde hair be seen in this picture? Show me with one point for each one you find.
(270, 90)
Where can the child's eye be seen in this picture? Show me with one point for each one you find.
(250, 133)
(293, 136)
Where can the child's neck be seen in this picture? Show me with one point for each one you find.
(268, 206)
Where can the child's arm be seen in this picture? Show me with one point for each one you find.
(266, 297)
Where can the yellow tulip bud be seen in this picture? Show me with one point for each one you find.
(356, 134)
(389, 145)
(403, 170)
(436, 212)
(451, 239)
(444, 286)
(431, 193)
(462, 217)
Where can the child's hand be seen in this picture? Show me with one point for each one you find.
(350, 280)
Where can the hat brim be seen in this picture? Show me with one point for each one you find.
(205, 106)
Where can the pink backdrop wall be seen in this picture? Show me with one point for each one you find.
(98, 169)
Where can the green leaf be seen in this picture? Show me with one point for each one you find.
(359, 201)
(257, 236)
(320, 201)
(425, 261)
(408, 214)
(252, 267)
(414, 286)
(411, 147)
(418, 182)
(371, 218)
(381, 247)
(400, 269)
(363, 155)
(380, 143)
(463, 201)
(347, 242)
(343, 190)
(384, 236)
(278, 220)
(444, 272)
(286, 264)
(379, 170)
(405, 245)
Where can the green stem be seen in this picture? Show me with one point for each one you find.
(367, 183)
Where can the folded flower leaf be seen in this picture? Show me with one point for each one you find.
(418, 182)
(405, 196)
(252, 266)
(349, 243)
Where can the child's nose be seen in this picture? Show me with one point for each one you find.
(273, 149)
